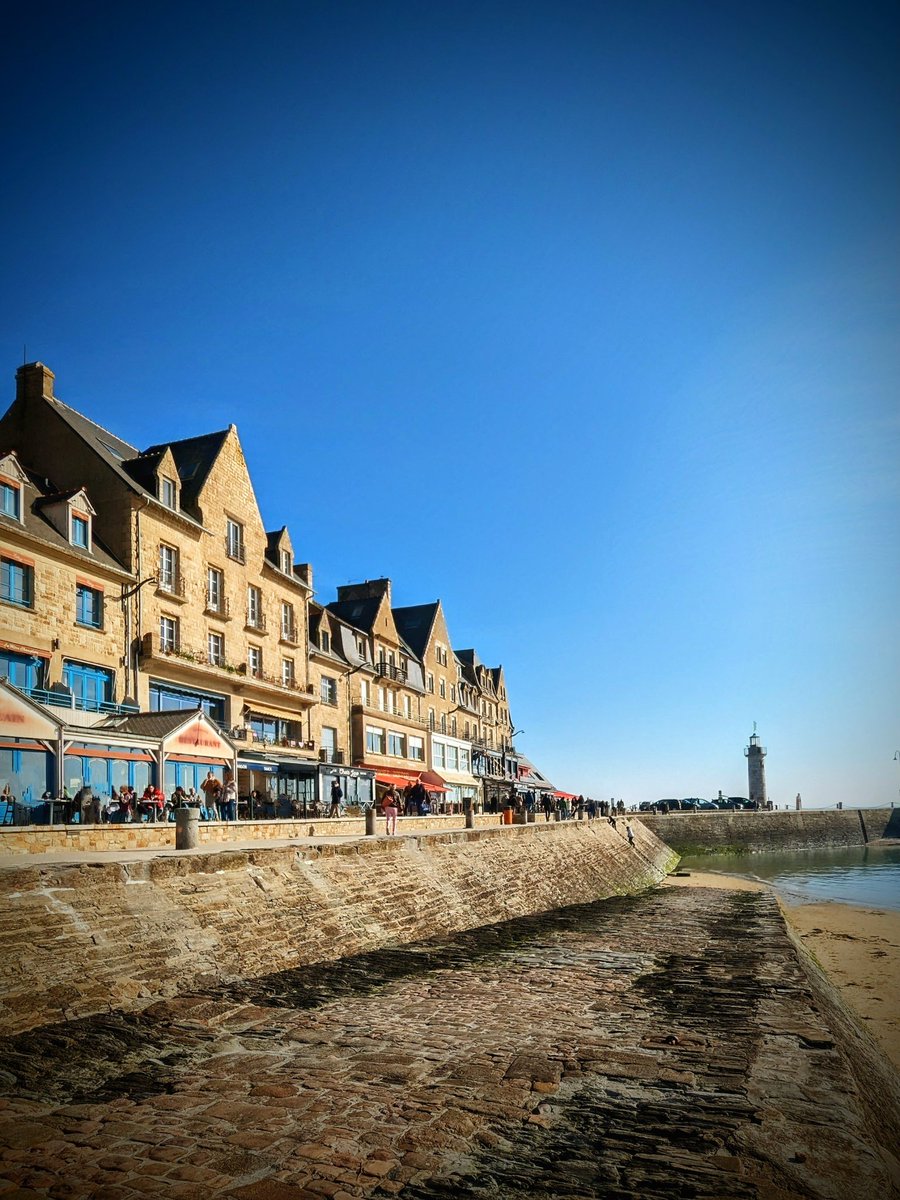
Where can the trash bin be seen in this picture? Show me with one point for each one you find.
(507, 817)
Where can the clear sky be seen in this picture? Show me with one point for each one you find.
(582, 317)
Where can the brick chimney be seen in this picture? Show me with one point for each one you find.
(34, 380)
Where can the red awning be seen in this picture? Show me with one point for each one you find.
(565, 796)
(398, 777)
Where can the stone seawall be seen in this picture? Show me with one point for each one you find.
(140, 835)
(762, 832)
(82, 939)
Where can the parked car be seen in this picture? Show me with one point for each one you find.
(708, 805)
(691, 802)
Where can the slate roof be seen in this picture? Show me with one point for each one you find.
(414, 624)
(36, 525)
(361, 613)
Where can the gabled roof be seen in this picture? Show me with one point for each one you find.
(151, 724)
(415, 623)
(194, 458)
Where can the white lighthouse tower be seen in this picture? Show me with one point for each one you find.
(756, 769)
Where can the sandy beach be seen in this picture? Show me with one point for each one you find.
(858, 948)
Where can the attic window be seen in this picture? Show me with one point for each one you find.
(80, 531)
(10, 500)
(286, 563)
(168, 492)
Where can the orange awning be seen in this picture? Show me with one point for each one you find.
(565, 796)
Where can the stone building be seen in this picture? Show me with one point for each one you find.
(216, 615)
(388, 717)
(424, 628)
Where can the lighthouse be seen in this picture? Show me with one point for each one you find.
(756, 769)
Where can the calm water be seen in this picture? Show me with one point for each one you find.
(864, 875)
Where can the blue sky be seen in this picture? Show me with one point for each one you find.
(581, 317)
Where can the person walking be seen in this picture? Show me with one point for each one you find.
(389, 808)
(229, 801)
(629, 833)
(336, 797)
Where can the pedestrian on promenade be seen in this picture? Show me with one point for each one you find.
(336, 796)
(211, 789)
(546, 805)
(229, 801)
(389, 808)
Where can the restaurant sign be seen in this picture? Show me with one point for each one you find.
(20, 719)
(200, 739)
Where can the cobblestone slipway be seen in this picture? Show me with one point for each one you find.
(666, 1045)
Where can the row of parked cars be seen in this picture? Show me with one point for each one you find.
(696, 804)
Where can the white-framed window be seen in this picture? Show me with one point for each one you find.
(287, 672)
(443, 722)
(168, 491)
(254, 607)
(254, 661)
(168, 634)
(215, 589)
(453, 693)
(464, 758)
(374, 739)
(328, 741)
(416, 748)
(365, 692)
(391, 701)
(396, 744)
(451, 758)
(453, 726)
(407, 706)
(286, 561)
(329, 690)
(437, 754)
(381, 699)
(431, 721)
(324, 639)
(429, 682)
(216, 649)
(288, 627)
(442, 688)
(361, 647)
(168, 568)
(234, 539)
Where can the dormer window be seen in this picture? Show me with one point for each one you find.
(168, 492)
(286, 563)
(80, 531)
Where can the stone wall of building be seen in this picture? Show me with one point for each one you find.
(83, 939)
(761, 832)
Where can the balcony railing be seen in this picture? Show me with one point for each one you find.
(389, 671)
(218, 608)
(171, 584)
(235, 549)
(256, 622)
(289, 634)
(52, 699)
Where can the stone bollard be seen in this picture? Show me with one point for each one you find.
(370, 821)
(470, 815)
(187, 828)
(520, 818)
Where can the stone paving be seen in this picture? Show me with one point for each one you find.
(667, 1045)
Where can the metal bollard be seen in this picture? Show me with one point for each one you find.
(370, 821)
(187, 828)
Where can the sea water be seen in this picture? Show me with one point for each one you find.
(867, 876)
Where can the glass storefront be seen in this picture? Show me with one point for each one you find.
(189, 775)
(122, 765)
(27, 771)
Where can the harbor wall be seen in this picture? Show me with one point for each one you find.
(767, 832)
(80, 939)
